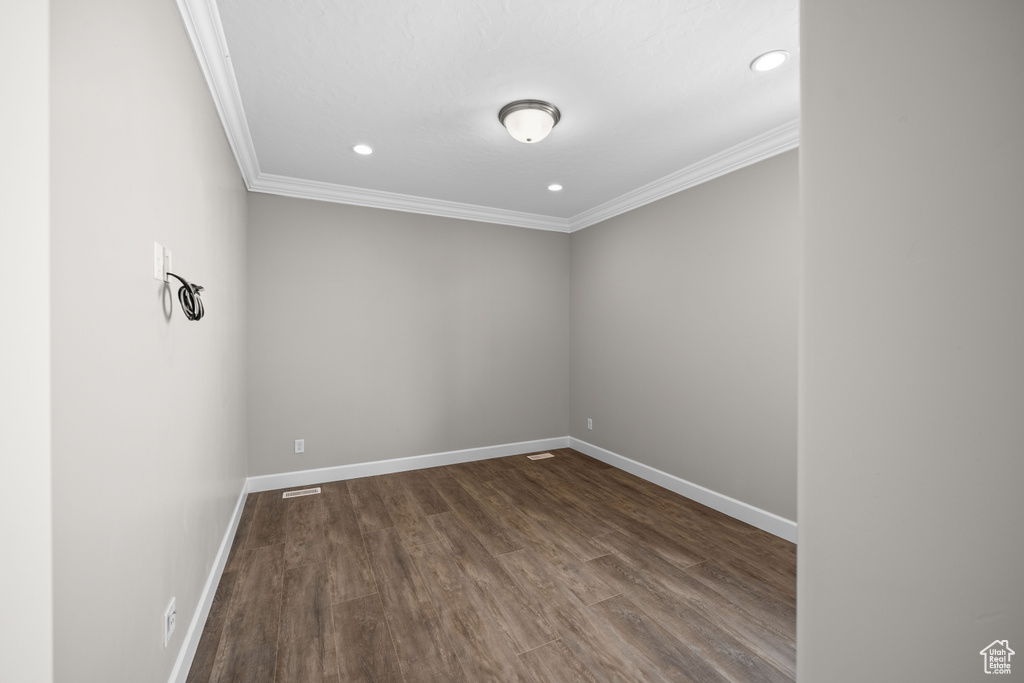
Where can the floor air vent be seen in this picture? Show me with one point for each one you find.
(541, 456)
(303, 492)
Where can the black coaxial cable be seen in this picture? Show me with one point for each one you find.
(188, 297)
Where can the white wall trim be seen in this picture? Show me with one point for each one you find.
(761, 147)
(345, 194)
(190, 642)
(762, 519)
(206, 33)
(270, 482)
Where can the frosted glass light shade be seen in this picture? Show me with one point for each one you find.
(529, 121)
(529, 125)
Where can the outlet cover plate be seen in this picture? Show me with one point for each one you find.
(170, 619)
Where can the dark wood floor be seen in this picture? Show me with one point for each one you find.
(510, 569)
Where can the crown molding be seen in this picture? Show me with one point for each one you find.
(379, 199)
(775, 141)
(206, 33)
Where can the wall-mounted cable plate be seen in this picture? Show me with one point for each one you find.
(161, 262)
(159, 272)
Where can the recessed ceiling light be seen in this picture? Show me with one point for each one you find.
(362, 149)
(554, 187)
(769, 60)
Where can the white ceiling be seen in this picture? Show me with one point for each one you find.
(655, 96)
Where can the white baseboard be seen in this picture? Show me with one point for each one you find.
(195, 627)
(762, 519)
(270, 482)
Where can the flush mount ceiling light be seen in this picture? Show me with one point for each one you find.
(529, 120)
(555, 187)
(363, 149)
(769, 60)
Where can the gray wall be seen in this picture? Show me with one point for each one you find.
(379, 334)
(148, 414)
(684, 334)
(912, 393)
(26, 593)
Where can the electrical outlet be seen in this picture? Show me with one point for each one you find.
(170, 617)
(167, 263)
(590, 423)
(300, 445)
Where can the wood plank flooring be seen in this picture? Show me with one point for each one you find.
(556, 570)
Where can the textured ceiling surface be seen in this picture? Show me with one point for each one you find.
(645, 88)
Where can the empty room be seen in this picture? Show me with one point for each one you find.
(511, 341)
